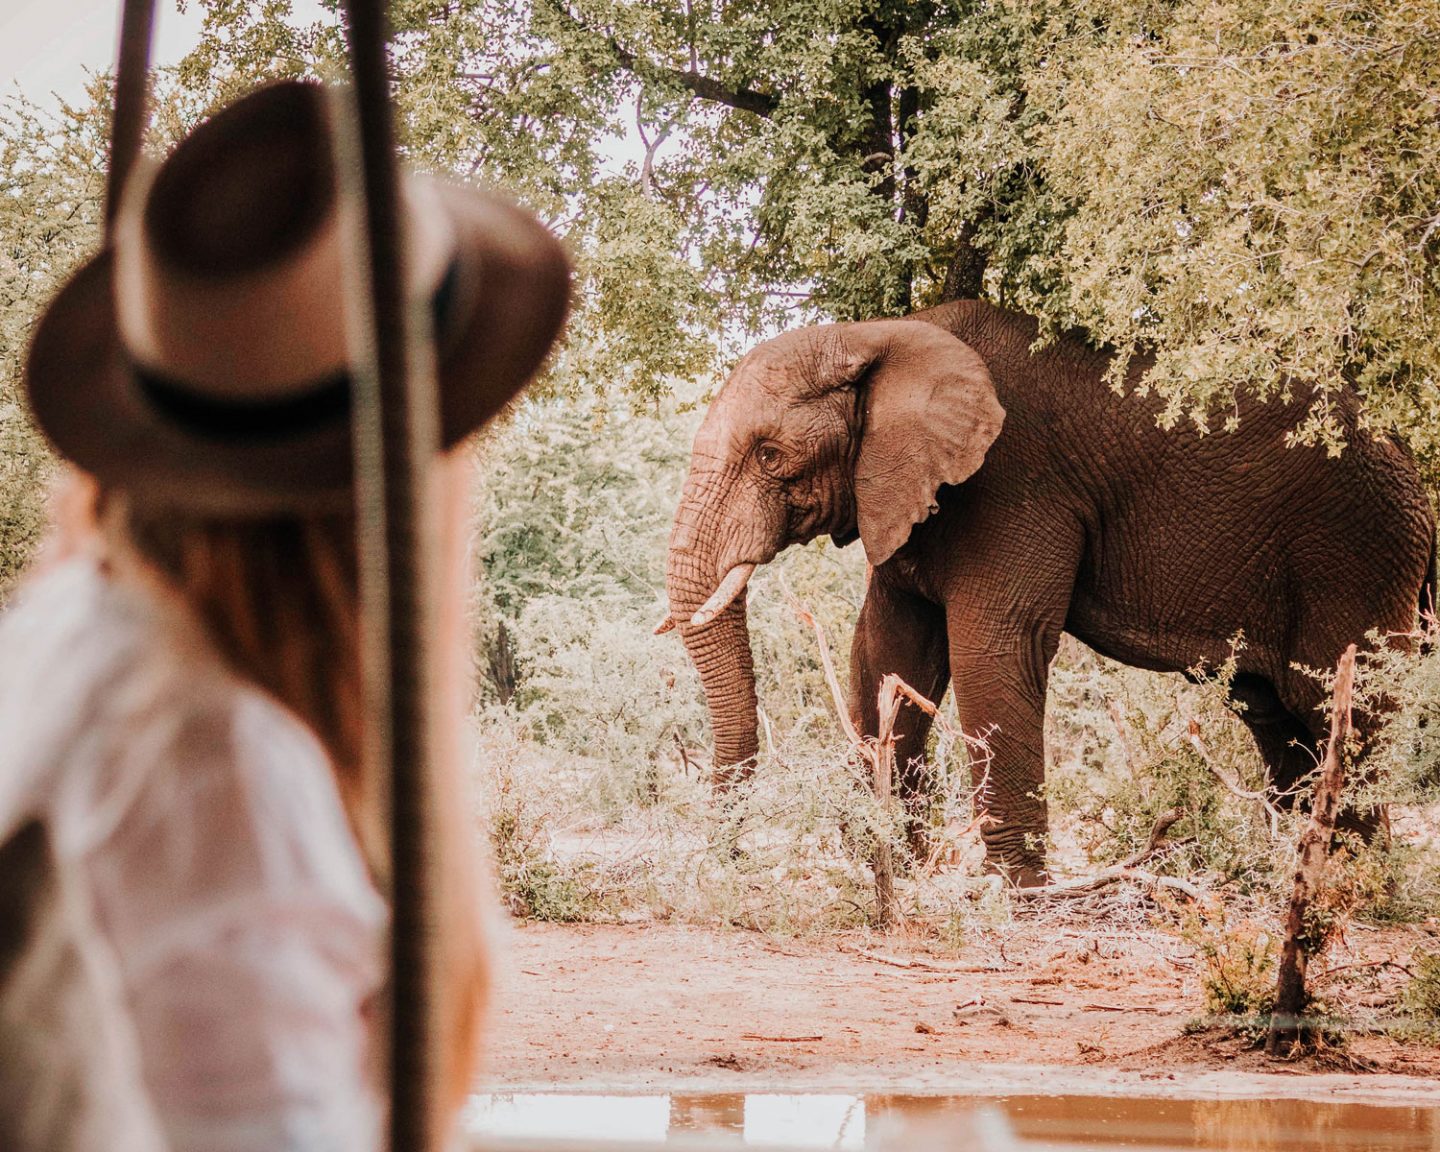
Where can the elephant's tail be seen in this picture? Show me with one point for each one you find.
(1427, 589)
(1427, 603)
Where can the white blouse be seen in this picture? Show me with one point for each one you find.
(225, 910)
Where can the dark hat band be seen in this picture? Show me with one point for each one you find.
(228, 420)
(304, 410)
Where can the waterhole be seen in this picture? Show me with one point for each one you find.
(978, 1123)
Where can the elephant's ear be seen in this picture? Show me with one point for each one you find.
(930, 414)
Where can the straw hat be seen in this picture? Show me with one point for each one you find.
(202, 358)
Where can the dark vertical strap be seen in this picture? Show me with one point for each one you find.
(396, 437)
(127, 127)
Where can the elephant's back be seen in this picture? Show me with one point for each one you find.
(1193, 534)
(1113, 446)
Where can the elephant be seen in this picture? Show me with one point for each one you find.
(1003, 493)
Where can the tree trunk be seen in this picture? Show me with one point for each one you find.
(1287, 1027)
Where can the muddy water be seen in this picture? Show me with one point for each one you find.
(894, 1122)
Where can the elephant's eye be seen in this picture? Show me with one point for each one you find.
(770, 457)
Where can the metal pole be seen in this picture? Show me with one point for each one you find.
(396, 439)
(127, 125)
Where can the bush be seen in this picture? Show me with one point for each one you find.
(1127, 747)
(1237, 976)
(1421, 998)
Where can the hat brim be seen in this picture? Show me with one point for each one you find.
(511, 297)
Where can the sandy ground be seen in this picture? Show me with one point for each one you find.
(1051, 1008)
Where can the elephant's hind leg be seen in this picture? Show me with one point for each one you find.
(1292, 748)
(902, 634)
(1287, 745)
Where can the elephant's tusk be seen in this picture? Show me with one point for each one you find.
(730, 587)
(665, 625)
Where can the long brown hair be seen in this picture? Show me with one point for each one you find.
(279, 598)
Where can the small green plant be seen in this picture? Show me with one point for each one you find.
(1421, 999)
(534, 882)
(1237, 977)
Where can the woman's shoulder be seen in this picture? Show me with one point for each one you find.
(82, 653)
(110, 693)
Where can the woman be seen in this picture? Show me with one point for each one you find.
(197, 939)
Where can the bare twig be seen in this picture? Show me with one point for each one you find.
(1286, 1025)
(887, 907)
(1121, 1008)
(684, 755)
(879, 753)
(780, 1039)
(1364, 964)
(769, 733)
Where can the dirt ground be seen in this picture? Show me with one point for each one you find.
(1049, 1006)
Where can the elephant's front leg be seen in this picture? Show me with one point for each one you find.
(900, 633)
(1000, 697)
(1009, 590)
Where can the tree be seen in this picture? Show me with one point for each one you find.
(1253, 192)
(51, 188)
(1250, 193)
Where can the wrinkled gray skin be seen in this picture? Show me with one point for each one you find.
(1004, 497)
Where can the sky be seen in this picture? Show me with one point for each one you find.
(47, 46)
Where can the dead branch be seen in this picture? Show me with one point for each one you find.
(1089, 885)
(769, 733)
(1261, 796)
(842, 710)
(918, 965)
(780, 1039)
(879, 753)
(685, 761)
(1163, 823)
(1364, 965)
(1121, 1008)
(1286, 1024)
(1125, 870)
(887, 908)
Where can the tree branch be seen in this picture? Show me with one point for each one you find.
(704, 87)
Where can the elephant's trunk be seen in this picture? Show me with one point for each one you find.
(720, 649)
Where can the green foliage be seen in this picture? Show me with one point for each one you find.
(1237, 977)
(50, 186)
(1254, 193)
(1421, 998)
(533, 882)
(1400, 682)
(574, 511)
(1248, 191)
